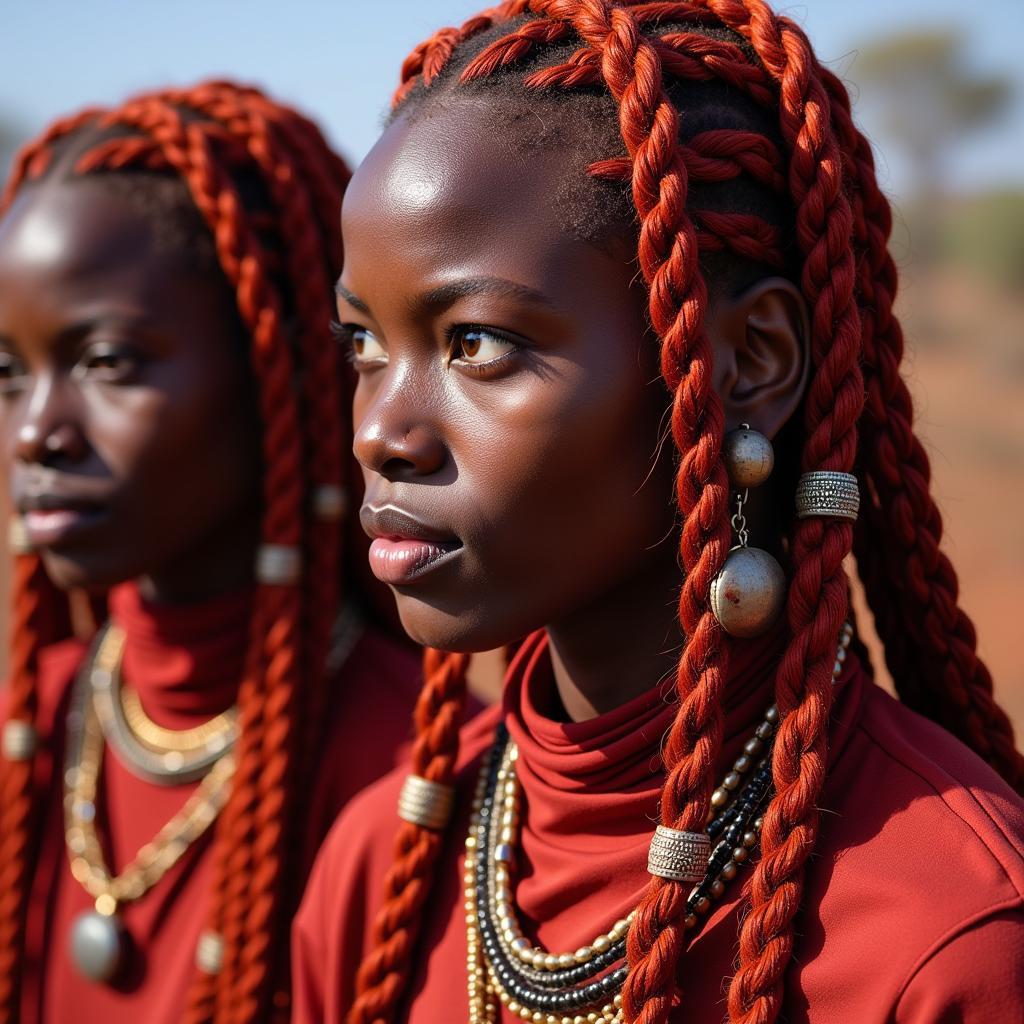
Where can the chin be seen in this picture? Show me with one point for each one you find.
(69, 573)
(462, 630)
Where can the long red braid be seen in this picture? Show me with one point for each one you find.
(281, 261)
(826, 173)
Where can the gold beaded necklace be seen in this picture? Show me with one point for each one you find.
(97, 940)
(491, 836)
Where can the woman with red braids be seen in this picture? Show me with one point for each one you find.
(169, 401)
(617, 289)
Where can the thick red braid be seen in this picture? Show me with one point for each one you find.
(230, 130)
(438, 715)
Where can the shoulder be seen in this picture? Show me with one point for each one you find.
(921, 846)
(358, 845)
(935, 786)
(332, 929)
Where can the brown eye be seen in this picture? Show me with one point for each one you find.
(362, 344)
(475, 346)
(12, 373)
(108, 363)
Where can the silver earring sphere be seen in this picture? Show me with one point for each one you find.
(748, 594)
(749, 591)
(749, 457)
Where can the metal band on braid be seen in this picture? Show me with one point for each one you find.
(426, 803)
(828, 493)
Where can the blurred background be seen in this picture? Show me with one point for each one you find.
(938, 87)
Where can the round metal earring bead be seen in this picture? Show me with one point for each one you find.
(748, 594)
(749, 457)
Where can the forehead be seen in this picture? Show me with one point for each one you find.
(448, 180)
(75, 231)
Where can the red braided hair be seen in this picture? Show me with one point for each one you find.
(281, 262)
(823, 171)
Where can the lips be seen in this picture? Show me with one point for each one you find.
(405, 547)
(54, 513)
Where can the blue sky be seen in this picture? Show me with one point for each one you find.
(339, 60)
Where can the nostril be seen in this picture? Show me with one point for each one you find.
(396, 468)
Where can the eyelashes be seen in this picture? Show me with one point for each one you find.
(472, 348)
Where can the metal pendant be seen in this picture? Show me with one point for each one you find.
(97, 945)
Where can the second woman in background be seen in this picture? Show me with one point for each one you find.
(170, 405)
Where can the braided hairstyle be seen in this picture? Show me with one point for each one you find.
(741, 157)
(256, 186)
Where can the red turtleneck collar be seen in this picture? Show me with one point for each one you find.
(184, 660)
(602, 777)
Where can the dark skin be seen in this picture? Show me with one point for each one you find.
(509, 398)
(126, 406)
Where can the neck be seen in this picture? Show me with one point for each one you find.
(620, 645)
(221, 563)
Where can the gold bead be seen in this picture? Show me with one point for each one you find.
(742, 764)
(719, 798)
(753, 746)
(732, 780)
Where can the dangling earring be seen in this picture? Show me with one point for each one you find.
(750, 589)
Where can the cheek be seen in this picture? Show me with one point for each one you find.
(566, 475)
(166, 446)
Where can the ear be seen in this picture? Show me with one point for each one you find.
(762, 353)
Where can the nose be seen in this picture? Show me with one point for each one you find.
(395, 435)
(48, 432)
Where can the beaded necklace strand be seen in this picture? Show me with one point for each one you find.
(584, 987)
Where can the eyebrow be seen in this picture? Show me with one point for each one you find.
(446, 294)
(352, 299)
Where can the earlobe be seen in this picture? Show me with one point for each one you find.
(761, 353)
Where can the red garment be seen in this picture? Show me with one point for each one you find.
(185, 662)
(913, 908)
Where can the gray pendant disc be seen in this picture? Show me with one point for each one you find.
(97, 945)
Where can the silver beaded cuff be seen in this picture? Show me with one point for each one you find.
(828, 493)
(679, 856)
(20, 740)
(17, 537)
(278, 564)
(330, 502)
(210, 952)
(426, 803)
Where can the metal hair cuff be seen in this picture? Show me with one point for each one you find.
(426, 803)
(19, 741)
(679, 856)
(17, 537)
(828, 493)
(330, 502)
(278, 564)
(210, 952)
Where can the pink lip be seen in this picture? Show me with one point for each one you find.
(47, 527)
(398, 560)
